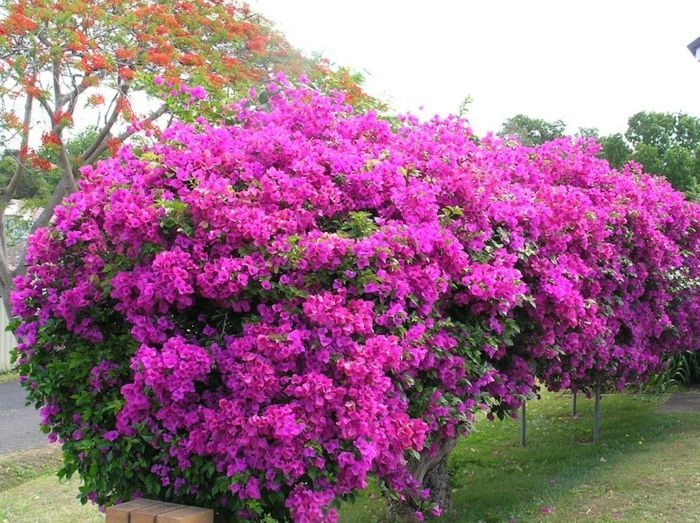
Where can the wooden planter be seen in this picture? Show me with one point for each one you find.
(151, 511)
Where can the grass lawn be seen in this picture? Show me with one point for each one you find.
(646, 468)
(8, 376)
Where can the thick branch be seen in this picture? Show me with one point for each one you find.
(5, 275)
(67, 183)
(56, 72)
(67, 170)
(428, 461)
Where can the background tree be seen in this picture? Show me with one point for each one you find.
(667, 144)
(126, 64)
(588, 132)
(663, 130)
(532, 131)
(615, 149)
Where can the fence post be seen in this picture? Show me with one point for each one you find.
(596, 415)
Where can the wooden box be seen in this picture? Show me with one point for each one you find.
(151, 511)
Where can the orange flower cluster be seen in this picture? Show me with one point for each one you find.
(17, 23)
(39, 163)
(50, 139)
(125, 54)
(62, 118)
(215, 45)
(96, 99)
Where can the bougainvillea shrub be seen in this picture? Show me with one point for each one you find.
(260, 317)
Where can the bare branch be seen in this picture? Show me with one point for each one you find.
(102, 136)
(16, 179)
(72, 97)
(56, 73)
(123, 136)
(47, 108)
(67, 170)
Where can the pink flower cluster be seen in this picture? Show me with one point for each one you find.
(313, 297)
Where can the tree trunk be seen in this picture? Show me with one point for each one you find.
(437, 479)
(5, 295)
(432, 473)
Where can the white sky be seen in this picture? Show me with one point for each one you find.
(590, 63)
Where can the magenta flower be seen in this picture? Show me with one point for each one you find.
(313, 297)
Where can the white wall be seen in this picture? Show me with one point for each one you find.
(7, 341)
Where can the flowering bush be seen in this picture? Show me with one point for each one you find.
(259, 317)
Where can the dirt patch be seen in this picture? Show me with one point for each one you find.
(682, 402)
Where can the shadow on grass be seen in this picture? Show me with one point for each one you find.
(495, 480)
(25, 465)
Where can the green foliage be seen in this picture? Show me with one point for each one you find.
(648, 156)
(678, 166)
(532, 131)
(90, 455)
(663, 130)
(588, 132)
(33, 185)
(465, 106)
(615, 150)
(37, 184)
(683, 369)
(667, 144)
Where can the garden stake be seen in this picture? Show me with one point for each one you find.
(573, 406)
(523, 434)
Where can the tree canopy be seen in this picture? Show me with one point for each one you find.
(532, 131)
(130, 63)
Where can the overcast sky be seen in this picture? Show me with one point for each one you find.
(590, 63)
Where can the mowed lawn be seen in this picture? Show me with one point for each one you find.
(646, 468)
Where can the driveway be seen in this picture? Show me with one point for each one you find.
(19, 424)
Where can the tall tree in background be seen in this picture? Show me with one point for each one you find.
(615, 149)
(532, 131)
(667, 144)
(67, 61)
(663, 130)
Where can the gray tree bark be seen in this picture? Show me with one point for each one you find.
(432, 473)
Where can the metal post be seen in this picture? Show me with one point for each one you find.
(523, 433)
(596, 415)
(573, 406)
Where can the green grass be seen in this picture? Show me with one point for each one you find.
(646, 468)
(20, 467)
(8, 376)
(30, 493)
(46, 500)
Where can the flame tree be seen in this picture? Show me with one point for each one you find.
(120, 66)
